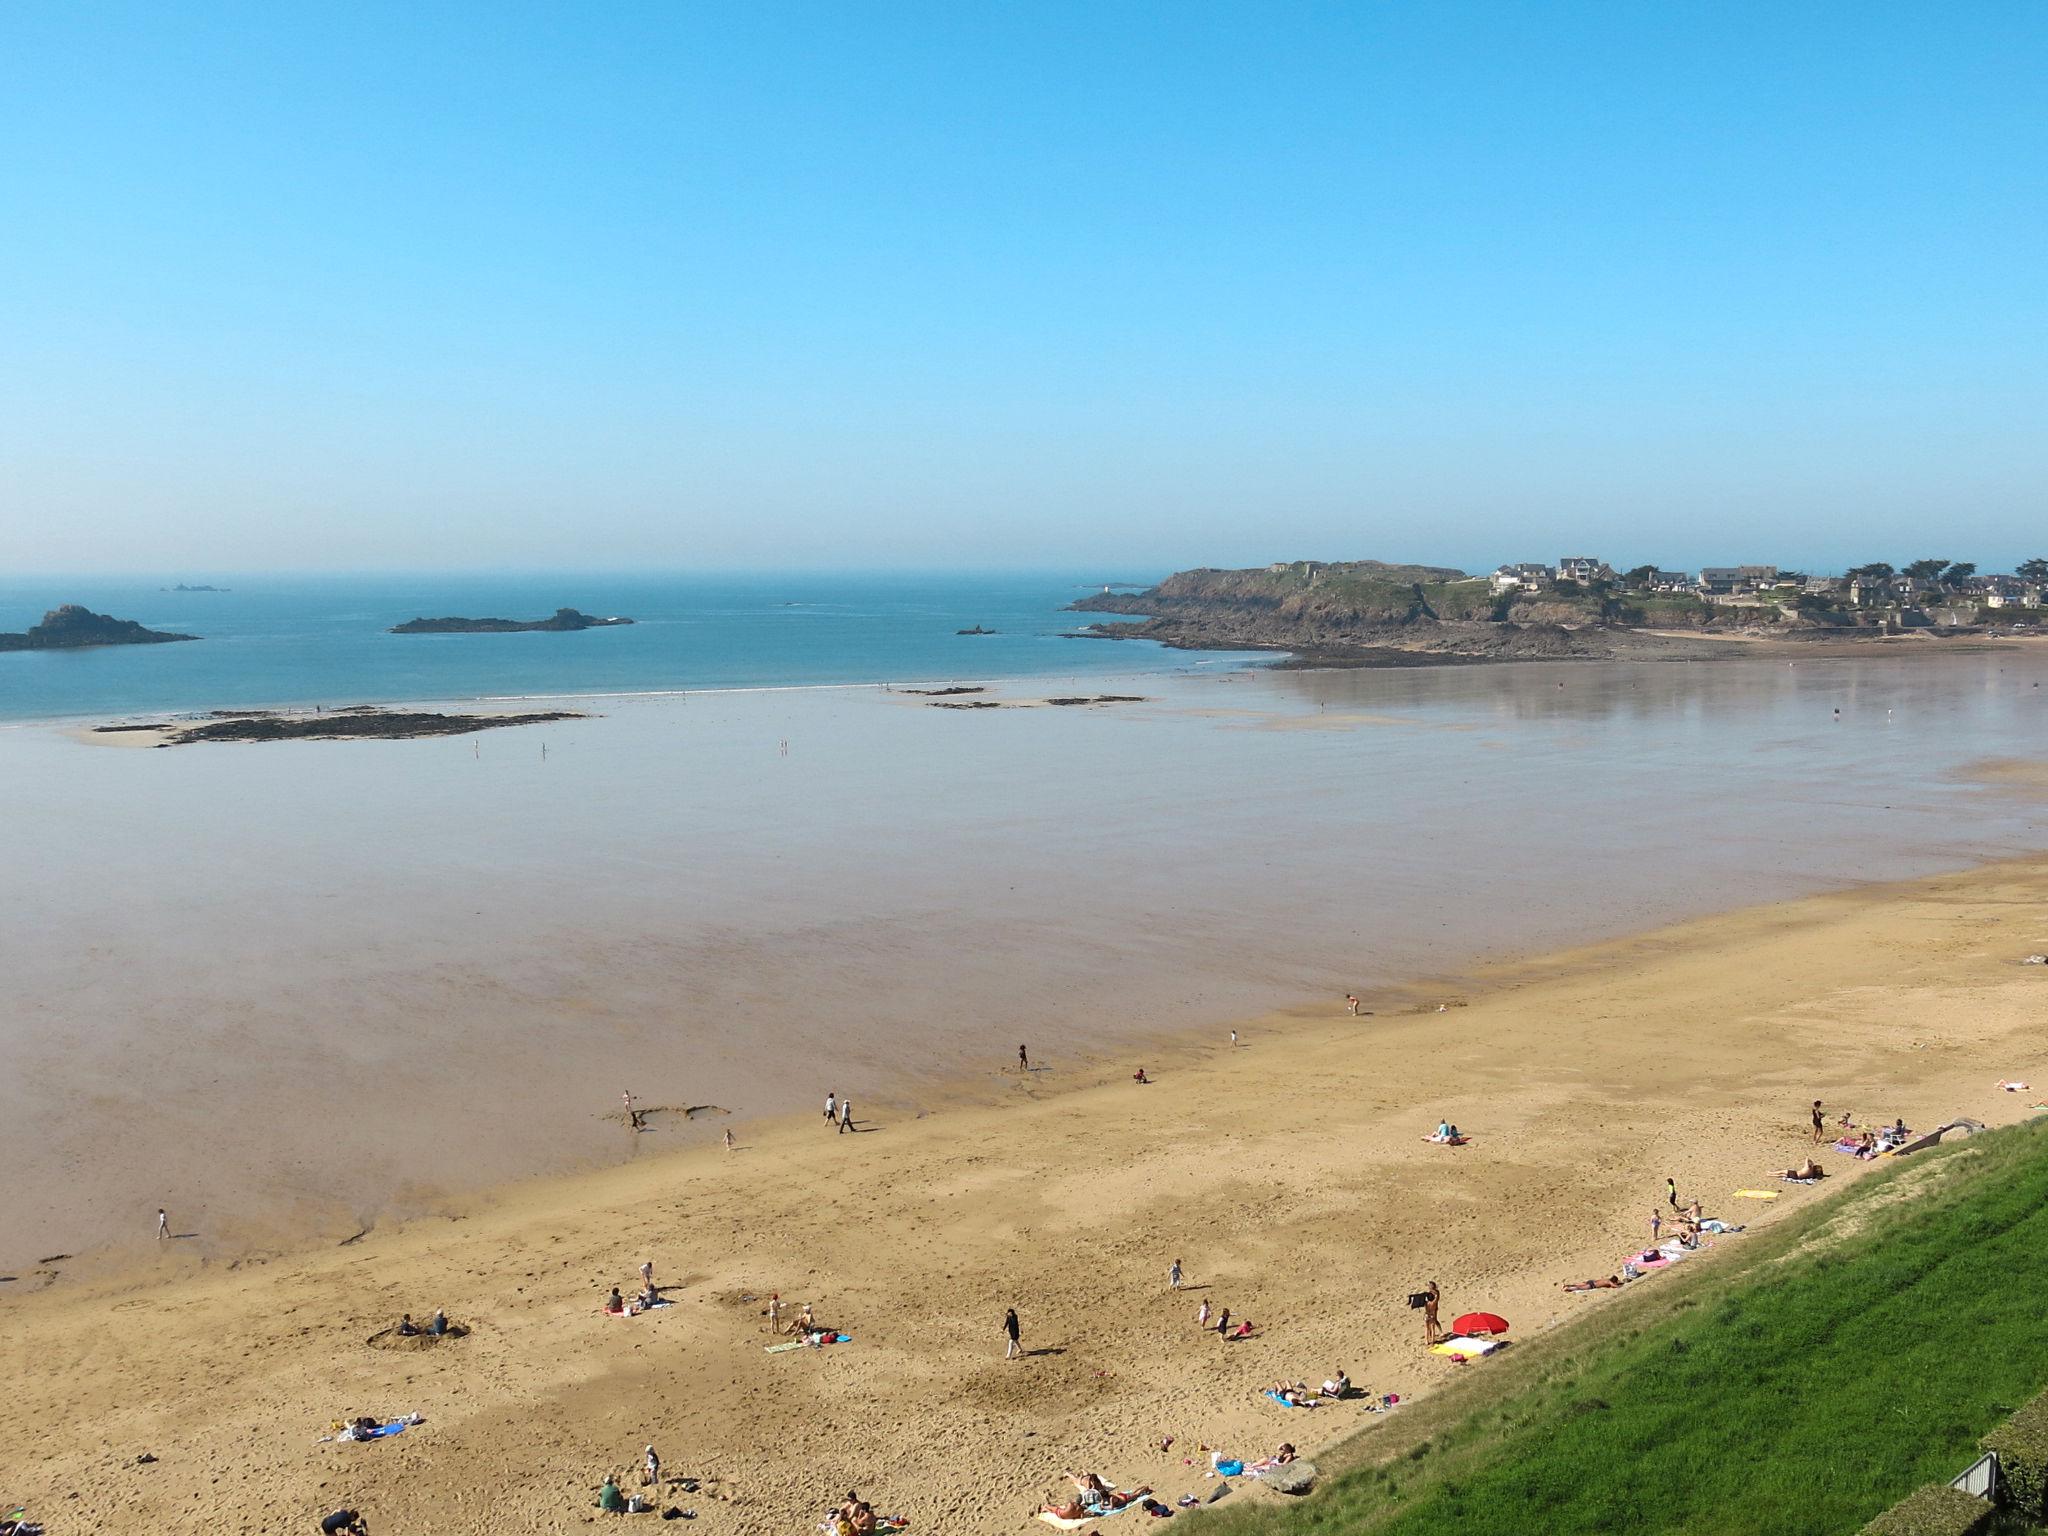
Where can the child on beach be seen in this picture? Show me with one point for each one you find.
(1173, 1276)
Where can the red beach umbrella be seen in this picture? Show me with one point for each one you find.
(1480, 1322)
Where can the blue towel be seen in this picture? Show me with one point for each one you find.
(395, 1427)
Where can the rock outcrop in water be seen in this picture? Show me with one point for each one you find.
(565, 619)
(356, 723)
(73, 627)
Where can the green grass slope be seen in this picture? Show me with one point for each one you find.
(1809, 1378)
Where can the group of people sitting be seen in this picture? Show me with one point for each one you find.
(856, 1517)
(1092, 1497)
(1446, 1134)
(616, 1305)
(408, 1329)
(1869, 1144)
(1297, 1394)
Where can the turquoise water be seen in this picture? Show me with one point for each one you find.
(315, 639)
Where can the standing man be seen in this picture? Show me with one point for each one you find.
(1173, 1276)
(1023, 1059)
(1430, 1297)
(1820, 1124)
(1010, 1328)
(163, 1224)
(845, 1116)
(831, 1104)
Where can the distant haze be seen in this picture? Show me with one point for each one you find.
(519, 286)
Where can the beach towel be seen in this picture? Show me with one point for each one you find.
(1756, 1194)
(1229, 1468)
(783, 1349)
(1286, 1404)
(383, 1431)
(1066, 1524)
(1465, 1349)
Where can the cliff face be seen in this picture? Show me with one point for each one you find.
(564, 619)
(72, 626)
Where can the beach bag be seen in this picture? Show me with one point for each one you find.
(1418, 1299)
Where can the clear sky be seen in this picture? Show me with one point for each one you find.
(1047, 283)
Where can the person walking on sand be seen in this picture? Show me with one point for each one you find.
(845, 1116)
(728, 1138)
(1431, 1297)
(1010, 1351)
(1233, 1037)
(1173, 1276)
(163, 1224)
(831, 1104)
(1023, 1059)
(1671, 1191)
(1820, 1124)
(647, 1275)
(1202, 1317)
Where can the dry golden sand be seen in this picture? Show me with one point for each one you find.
(1290, 1175)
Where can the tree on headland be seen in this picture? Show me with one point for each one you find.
(1927, 570)
(1958, 571)
(1638, 577)
(1877, 570)
(2032, 570)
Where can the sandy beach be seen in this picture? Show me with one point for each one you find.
(1289, 1174)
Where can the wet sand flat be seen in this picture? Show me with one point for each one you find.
(299, 988)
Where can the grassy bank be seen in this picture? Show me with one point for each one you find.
(1822, 1371)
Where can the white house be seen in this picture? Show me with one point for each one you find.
(1511, 578)
(1583, 568)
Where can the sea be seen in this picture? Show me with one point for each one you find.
(295, 989)
(297, 640)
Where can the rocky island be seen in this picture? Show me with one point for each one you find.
(565, 619)
(73, 627)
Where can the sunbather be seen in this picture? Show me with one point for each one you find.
(1293, 1393)
(1805, 1172)
(1611, 1283)
(1285, 1454)
(1338, 1385)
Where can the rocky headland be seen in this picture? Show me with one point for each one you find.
(1371, 613)
(73, 627)
(564, 620)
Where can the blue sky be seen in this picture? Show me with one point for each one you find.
(525, 285)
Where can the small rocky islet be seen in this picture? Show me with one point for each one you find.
(565, 620)
(74, 627)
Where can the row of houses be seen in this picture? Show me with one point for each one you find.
(1730, 581)
(1585, 570)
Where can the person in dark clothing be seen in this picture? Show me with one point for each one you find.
(344, 1522)
(1010, 1328)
